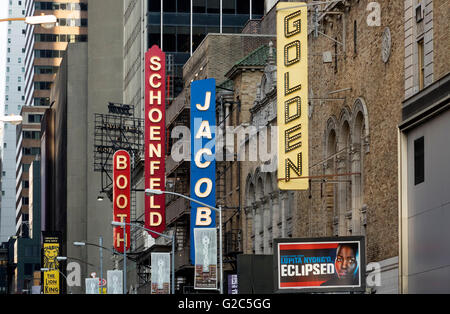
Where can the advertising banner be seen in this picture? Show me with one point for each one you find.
(203, 163)
(114, 281)
(160, 273)
(50, 248)
(121, 198)
(205, 258)
(92, 286)
(155, 139)
(320, 265)
(292, 95)
(233, 287)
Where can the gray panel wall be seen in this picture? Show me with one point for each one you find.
(76, 152)
(429, 210)
(105, 81)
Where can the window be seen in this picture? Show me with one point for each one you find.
(34, 118)
(419, 161)
(421, 63)
(28, 271)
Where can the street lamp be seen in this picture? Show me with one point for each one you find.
(100, 246)
(172, 239)
(219, 210)
(46, 21)
(12, 118)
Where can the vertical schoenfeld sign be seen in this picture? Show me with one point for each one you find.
(203, 162)
(155, 138)
(292, 94)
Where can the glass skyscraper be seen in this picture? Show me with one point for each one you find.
(179, 26)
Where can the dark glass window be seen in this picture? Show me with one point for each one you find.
(184, 6)
(169, 38)
(199, 6)
(198, 33)
(41, 101)
(28, 269)
(243, 7)
(419, 161)
(213, 6)
(183, 39)
(154, 36)
(170, 6)
(229, 7)
(258, 7)
(154, 5)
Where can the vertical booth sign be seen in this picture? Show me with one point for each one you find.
(203, 164)
(121, 198)
(155, 138)
(292, 91)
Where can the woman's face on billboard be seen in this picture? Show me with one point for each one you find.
(345, 262)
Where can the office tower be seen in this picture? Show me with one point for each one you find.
(45, 47)
(14, 99)
(179, 26)
(44, 50)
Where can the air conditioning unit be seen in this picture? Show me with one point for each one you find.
(420, 12)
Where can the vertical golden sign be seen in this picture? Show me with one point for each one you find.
(292, 95)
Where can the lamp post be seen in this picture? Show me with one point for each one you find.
(100, 246)
(46, 21)
(219, 210)
(172, 239)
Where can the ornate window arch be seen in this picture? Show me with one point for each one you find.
(359, 147)
(329, 201)
(250, 192)
(343, 167)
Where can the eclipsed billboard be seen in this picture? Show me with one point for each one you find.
(319, 264)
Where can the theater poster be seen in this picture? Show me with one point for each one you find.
(205, 258)
(160, 273)
(50, 252)
(319, 265)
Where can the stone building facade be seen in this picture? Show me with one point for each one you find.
(356, 88)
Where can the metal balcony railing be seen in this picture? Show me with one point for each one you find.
(177, 106)
(175, 209)
(182, 258)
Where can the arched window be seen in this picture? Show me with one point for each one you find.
(360, 146)
(344, 181)
(249, 210)
(329, 189)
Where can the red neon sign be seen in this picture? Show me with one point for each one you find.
(155, 138)
(121, 198)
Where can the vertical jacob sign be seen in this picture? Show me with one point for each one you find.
(292, 91)
(155, 138)
(121, 198)
(203, 163)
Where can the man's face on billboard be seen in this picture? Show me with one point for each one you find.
(345, 262)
